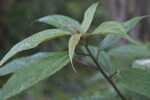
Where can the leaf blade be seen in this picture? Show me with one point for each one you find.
(88, 17)
(19, 63)
(108, 40)
(110, 27)
(105, 61)
(60, 21)
(128, 25)
(130, 50)
(72, 45)
(136, 80)
(30, 75)
(33, 41)
(131, 40)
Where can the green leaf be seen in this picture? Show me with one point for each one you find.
(130, 50)
(108, 40)
(19, 63)
(60, 21)
(104, 61)
(121, 63)
(137, 96)
(33, 41)
(128, 25)
(142, 64)
(110, 27)
(33, 73)
(72, 45)
(88, 17)
(131, 40)
(136, 80)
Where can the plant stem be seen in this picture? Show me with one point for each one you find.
(82, 54)
(92, 67)
(113, 75)
(104, 74)
(87, 41)
(97, 55)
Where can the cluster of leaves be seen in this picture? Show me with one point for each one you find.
(30, 70)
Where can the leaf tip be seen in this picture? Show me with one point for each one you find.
(74, 68)
(33, 23)
(1, 63)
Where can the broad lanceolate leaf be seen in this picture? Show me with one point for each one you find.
(19, 63)
(88, 17)
(60, 21)
(130, 50)
(33, 73)
(136, 80)
(72, 44)
(142, 64)
(108, 40)
(128, 25)
(110, 27)
(33, 41)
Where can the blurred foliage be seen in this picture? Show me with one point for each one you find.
(16, 23)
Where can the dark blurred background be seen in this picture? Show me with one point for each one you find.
(16, 17)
